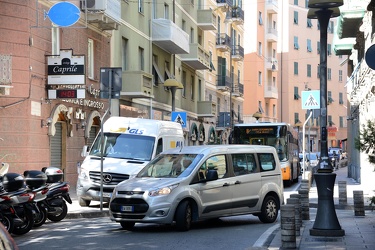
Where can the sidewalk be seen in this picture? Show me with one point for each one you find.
(359, 230)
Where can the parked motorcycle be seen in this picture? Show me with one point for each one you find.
(15, 205)
(57, 195)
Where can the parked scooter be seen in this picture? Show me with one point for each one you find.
(57, 195)
(15, 205)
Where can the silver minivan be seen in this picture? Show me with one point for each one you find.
(196, 183)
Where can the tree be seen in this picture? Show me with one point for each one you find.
(365, 142)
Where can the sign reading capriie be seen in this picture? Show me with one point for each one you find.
(66, 68)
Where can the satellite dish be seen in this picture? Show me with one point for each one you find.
(370, 56)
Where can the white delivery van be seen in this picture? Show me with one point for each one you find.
(198, 183)
(129, 144)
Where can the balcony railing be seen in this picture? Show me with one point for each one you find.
(206, 19)
(206, 109)
(223, 42)
(271, 92)
(272, 7)
(198, 58)
(224, 3)
(238, 15)
(224, 83)
(237, 53)
(238, 90)
(272, 64)
(271, 35)
(137, 84)
(168, 36)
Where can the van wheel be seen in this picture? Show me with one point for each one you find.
(269, 210)
(83, 203)
(127, 225)
(183, 216)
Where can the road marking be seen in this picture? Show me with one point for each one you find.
(264, 237)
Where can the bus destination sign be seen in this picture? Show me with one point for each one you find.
(260, 131)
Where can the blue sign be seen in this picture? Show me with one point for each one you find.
(311, 99)
(180, 117)
(63, 14)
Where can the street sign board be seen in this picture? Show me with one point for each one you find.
(311, 99)
(180, 117)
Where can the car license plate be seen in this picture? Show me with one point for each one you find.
(126, 208)
(107, 195)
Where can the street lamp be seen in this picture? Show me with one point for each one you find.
(173, 85)
(326, 222)
(257, 115)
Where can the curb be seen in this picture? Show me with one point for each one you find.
(94, 214)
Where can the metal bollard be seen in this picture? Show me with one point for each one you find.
(295, 202)
(288, 232)
(359, 204)
(298, 196)
(342, 193)
(305, 206)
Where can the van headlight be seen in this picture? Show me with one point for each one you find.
(162, 191)
(84, 174)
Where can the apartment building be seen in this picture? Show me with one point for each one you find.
(172, 56)
(286, 64)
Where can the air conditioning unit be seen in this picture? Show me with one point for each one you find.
(93, 5)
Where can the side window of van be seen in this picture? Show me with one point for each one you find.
(267, 162)
(218, 163)
(243, 164)
(159, 147)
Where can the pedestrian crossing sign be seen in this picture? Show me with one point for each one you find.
(179, 117)
(311, 99)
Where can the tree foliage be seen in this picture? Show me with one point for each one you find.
(365, 142)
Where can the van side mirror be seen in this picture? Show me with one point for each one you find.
(85, 151)
(211, 175)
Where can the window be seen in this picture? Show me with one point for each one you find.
(329, 50)
(340, 75)
(124, 51)
(295, 17)
(296, 68)
(192, 89)
(318, 71)
(309, 48)
(191, 35)
(296, 95)
(329, 74)
(341, 100)
(296, 2)
(273, 110)
(296, 118)
(244, 164)
(318, 47)
(259, 78)
(330, 100)
(259, 48)
(90, 58)
(296, 45)
(141, 54)
(166, 11)
(341, 122)
(200, 90)
(267, 162)
(331, 27)
(260, 107)
(309, 23)
(183, 80)
(260, 18)
(218, 163)
(140, 6)
(308, 70)
(329, 120)
(157, 76)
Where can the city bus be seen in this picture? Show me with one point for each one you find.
(282, 136)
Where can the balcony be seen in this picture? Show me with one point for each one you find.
(206, 109)
(349, 21)
(168, 36)
(238, 90)
(343, 46)
(223, 83)
(206, 19)
(104, 15)
(272, 7)
(198, 58)
(223, 42)
(237, 53)
(271, 35)
(224, 3)
(137, 84)
(270, 92)
(272, 64)
(238, 15)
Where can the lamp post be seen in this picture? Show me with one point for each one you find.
(173, 85)
(326, 222)
(257, 115)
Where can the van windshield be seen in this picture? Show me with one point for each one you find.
(124, 146)
(170, 166)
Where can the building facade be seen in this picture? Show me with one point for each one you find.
(52, 101)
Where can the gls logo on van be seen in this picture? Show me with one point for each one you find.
(136, 131)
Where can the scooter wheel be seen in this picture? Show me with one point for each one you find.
(28, 222)
(40, 217)
(7, 221)
(61, 216)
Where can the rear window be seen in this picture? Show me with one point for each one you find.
(267, 162)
